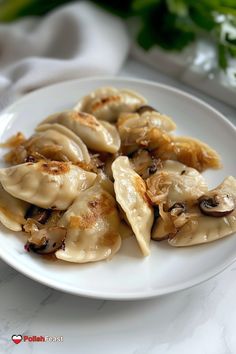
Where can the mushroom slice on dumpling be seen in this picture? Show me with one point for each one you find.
(49, 184)
(70, 146)
(144, 163)
(220, 201)
(12, 211)
(107, 103)
(203, 230)
(215, 217)
(46, 240)
(147, 129)
(192, 152)
(161, 230)
(92, 223)
(97, 135)
(172, 188)
(130, 190)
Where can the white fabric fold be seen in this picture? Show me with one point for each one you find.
(74, 41)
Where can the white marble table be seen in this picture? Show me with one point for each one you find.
(197, 321)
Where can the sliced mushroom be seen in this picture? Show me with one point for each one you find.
(169, 222)
(44, 219)
(156, 212)
(220, 201)
(144, 164)
(217, 205)
(177, 209)
(159, 231)
(145, 108)
(46, 241)
(31, 226)
(38, 214)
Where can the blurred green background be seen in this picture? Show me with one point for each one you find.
(170, 24)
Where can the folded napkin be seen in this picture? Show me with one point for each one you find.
(74, 41)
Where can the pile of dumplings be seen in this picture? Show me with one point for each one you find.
(108, 169)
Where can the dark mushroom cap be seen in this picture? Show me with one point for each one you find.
(39, 214)
(159, 233)
(217, 205)
(145, 108)
(178, 208)
(46, 241)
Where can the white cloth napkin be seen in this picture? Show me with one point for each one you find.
(73, 41)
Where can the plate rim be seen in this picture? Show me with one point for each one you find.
(120, 296)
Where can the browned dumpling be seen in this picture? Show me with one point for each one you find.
(175, 182)
(204, 229)
(192, 152)
(130, 190)
(67, 145)
(107, 103)
(97, 135)
(209, 218)
(172, 187)
(147, 129)
(214, 217)
(49, 184)
(51, 141)
(92, 224)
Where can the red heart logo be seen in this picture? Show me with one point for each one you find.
(16, 338)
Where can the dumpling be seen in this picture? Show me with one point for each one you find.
(171, 187)
(92, 223)
(12, 211)
(69, 147)
(130, 190)
(214, 217)
(53, 142)
(146, 119)
(204, 229)
(107, 103)
(175, 183)
(146, 129)
(192, 152)
(97, 135)
(46, 184)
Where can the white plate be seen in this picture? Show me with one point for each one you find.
(127, 275)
